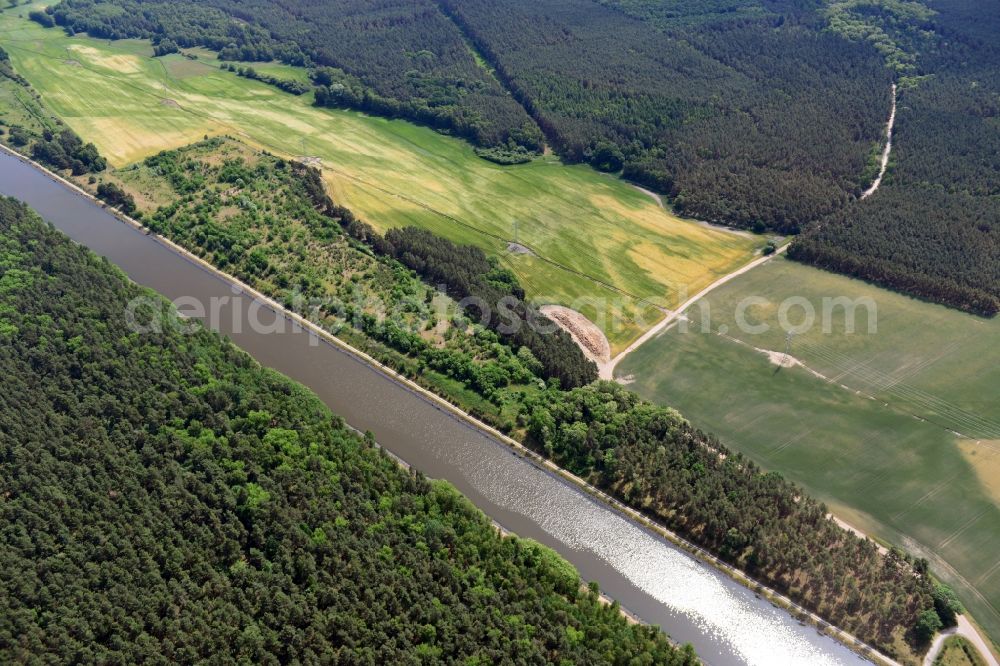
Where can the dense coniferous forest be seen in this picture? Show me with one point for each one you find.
(655, 460)
(409, 59)
(755, 122)
(933, 229)
(168, 499)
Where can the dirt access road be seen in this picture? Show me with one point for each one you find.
(966, 630)
(885, 151)
(607, 370)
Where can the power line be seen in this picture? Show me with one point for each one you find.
(788, 347)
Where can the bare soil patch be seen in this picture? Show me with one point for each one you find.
(585, 333)
(517, 248)
(780, 359)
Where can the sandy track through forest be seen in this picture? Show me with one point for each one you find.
(607, 370)
(885, 151)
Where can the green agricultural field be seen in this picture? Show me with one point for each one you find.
(876, 436)
(593, 237)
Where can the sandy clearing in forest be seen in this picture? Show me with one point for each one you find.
(584, 332)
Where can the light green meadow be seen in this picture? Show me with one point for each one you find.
(595, 239)
(900, 435)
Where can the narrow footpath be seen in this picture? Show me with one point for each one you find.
(886, 150)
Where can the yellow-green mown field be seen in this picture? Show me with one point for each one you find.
(595, 239)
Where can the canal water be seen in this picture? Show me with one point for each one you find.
(661, 584)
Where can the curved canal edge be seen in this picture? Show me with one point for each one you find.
(632, 515)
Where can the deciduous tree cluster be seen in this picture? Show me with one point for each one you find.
(62, 151)
(288, 85)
